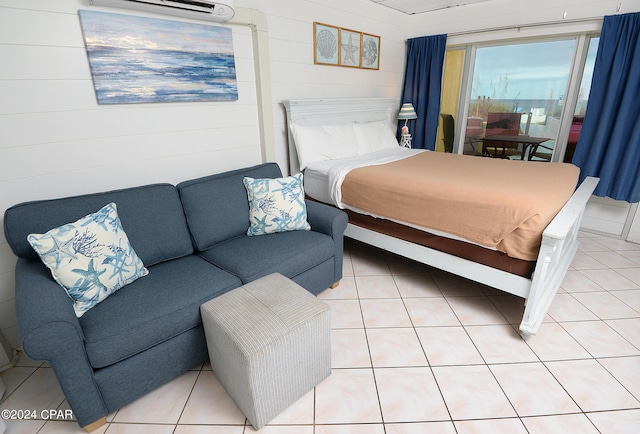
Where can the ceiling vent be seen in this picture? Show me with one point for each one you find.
(209, 10)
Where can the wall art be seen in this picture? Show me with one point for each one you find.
(350, 47)
(370, 51)
(135, 59)
(326, 40)
(338, 46)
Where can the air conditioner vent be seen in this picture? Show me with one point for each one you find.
(199, 9)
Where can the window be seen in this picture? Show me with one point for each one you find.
(511, 98)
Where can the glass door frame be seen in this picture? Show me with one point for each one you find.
(573, 89)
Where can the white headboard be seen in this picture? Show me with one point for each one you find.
(337, 111)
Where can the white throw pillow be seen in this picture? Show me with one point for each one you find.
(276, 205)
(374, 136)
(324, 142)
(90, 258)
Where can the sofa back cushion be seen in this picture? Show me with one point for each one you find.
(151, 216)
(217, 207)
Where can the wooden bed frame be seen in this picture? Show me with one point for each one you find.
(559, 239)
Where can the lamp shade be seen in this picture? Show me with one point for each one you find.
(407, 112)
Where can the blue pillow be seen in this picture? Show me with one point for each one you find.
(276, 205)
(90, 258)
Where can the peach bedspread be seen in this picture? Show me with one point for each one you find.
(501, 204)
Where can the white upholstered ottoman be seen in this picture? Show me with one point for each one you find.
(269, 344)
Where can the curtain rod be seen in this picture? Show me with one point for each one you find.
(524, 26)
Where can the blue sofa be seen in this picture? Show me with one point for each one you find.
(192, 238)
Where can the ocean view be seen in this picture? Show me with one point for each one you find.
(123, 75)
(550, 107)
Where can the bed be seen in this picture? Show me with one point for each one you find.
(518, 236)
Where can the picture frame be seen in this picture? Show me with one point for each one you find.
(129, 62)
(326, 44)
(370, 52)
(350, 48)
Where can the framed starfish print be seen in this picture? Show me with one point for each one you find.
(350, 48)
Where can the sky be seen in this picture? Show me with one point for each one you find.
(136, 32)
(531, 71)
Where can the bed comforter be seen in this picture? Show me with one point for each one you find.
(496, 203)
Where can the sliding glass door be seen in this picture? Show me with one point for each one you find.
(514, 100)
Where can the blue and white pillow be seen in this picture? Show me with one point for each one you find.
(90, 258)
(276, 205)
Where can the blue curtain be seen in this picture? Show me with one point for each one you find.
(609, 144)
(422, 88)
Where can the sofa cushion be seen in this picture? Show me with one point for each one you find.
(149, 311)
(90, 258)
(216, 206)
(276, 205)
(287, 253)
(152, 215)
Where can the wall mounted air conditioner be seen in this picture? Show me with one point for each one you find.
(209, 10)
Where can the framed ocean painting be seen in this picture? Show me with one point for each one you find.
(136, 59)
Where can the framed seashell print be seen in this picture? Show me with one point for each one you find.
(326, 43)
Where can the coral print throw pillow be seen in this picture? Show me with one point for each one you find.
(276, 205)
(90, 258)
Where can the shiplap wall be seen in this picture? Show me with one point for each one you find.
(55, 140)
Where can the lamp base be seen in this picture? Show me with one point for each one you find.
(405, 140)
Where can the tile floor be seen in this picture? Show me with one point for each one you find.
(418, 351)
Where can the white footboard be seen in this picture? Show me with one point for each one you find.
(559, 246)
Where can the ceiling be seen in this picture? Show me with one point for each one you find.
(411, 7)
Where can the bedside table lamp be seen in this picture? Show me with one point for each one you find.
(406, 112)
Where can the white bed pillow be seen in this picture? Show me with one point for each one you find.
(373, 137)
(324, 142)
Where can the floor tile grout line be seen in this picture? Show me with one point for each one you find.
(435, 379)
(193, 387)
(21, 383)
(373, 371)
(618, 380)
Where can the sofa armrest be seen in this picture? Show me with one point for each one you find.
(333, 222)
(40, 301)
(49, 330)
(326, 219)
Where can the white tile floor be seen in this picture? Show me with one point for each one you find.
(417, 351)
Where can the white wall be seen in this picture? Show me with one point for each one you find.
(57, 141)
(634, 230)
(504, 13)
(295, 76)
